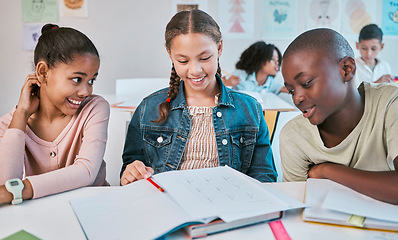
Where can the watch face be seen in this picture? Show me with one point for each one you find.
(14, 183)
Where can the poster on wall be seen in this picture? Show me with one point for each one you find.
(236, 19)
(355, 15)
(324, 13)
(74, 8)
(186, 5)
(40, 10)
(389, 21)
(280, 19)
(31, 34)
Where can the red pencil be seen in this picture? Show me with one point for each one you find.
(154, 184)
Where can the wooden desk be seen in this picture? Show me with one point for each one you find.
(52, 217)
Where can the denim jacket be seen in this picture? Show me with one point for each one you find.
(241, 134)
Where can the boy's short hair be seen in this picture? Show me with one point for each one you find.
(371, 31)
(321, 39)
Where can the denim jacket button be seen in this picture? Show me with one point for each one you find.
(160, 139)
(219, 114)
(241, 140)
(224, 142)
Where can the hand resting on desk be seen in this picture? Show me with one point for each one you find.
(380, 185)
(231, 81)
(387, 78)
(135, 171)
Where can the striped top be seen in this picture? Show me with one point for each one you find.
(201, 149)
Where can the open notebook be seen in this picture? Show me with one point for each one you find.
(140, 211)
(333, 203)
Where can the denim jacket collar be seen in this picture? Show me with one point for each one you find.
(225, 98)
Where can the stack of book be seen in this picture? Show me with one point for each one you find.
(332, 203)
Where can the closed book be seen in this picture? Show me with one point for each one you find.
(218, 225)
(332, 203)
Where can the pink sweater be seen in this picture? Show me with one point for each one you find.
(79, 151)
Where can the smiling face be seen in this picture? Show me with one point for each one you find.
(67, 85)
(195, 58)
(316, 83)
(369, 50)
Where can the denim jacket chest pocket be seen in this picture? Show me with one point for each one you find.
(157, 147)
(243, 144)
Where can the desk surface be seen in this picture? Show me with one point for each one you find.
(270, 102)
(52, 217)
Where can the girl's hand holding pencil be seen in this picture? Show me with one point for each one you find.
(136, 171)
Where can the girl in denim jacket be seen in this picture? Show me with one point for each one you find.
(200, 123)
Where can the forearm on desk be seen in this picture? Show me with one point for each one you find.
(378, 185)
(7, 197)
(12, 151)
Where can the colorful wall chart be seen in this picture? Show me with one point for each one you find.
(324, 13)
(31, 34)
(280, 19)
(356, 14)
(389, 21)
(186, 5)
(236, 19)
(74, 8)
(40, 10)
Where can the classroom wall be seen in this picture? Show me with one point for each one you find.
(130, 38)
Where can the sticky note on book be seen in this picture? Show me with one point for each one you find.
(356, 220)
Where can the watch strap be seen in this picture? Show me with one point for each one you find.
(15, 187)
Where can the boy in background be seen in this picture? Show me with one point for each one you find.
(369, 67)
(345, 134)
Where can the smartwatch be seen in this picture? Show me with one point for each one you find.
(15, 187)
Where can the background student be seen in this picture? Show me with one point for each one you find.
(200, 122)
(345, 134)
(56, 135)
(369, 67)
(256, 69)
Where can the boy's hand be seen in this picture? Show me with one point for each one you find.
(385, 79)
(135, 171)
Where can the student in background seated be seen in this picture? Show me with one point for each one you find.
(54, 139)
(200, 123)
(345, 134)
(369, 67)
(256, 69)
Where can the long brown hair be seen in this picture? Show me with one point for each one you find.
(194, 21)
